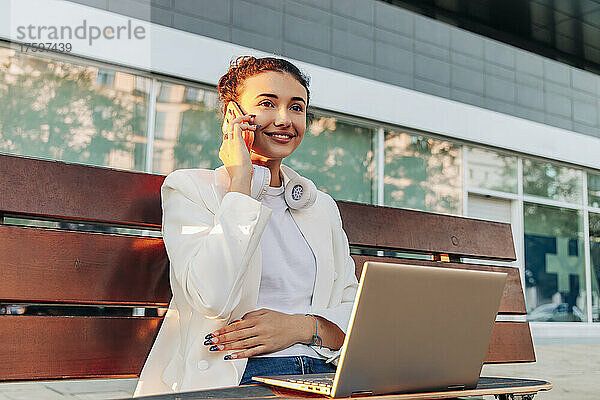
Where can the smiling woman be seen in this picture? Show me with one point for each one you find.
(276, 102)
(262, 282)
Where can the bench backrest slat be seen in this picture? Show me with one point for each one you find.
(510, 342)
(56, 266)
(74, 347)
(62, 190)
(422, 232)
(512, 299)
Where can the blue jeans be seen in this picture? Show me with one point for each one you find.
(291, 365)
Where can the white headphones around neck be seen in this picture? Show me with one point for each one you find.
(299, 192)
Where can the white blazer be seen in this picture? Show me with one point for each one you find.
(212, 240)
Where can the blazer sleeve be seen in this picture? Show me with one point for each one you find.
(342, 301)
(209, 252)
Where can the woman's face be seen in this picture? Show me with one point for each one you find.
(279, 102)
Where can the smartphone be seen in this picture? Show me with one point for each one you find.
(246, 134)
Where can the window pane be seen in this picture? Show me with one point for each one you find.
(338, 157)
(490, 170)
(187, 130)
(51, 108)
(554, 264)
(422, 173)
(595, 258)
(593, 189)
(552, 181)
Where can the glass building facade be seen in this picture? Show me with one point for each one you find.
(70, 109)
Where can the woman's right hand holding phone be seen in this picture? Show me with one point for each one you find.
(234, 150)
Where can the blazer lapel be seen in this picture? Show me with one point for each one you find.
(313, 226)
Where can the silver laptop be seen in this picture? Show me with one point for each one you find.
(412, 329)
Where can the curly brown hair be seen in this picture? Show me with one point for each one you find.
(245, 67)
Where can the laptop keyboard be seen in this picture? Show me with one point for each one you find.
(325, 379)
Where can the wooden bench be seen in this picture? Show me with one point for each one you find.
(76, 292)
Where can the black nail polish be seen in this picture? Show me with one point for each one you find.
(227, 357)
(209, 336)
(213, 348)
(207, 342)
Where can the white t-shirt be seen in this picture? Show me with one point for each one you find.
(289, 268)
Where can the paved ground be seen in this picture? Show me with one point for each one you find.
(573, 369)
(62, 390)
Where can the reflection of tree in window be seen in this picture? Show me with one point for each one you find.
(199, 139)
(421, 173)
(593, 190)
(490, 170)
(52, 109)
(193, 94)
(338, 157)
(551, 181)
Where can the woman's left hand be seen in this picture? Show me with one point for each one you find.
(261, 331)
